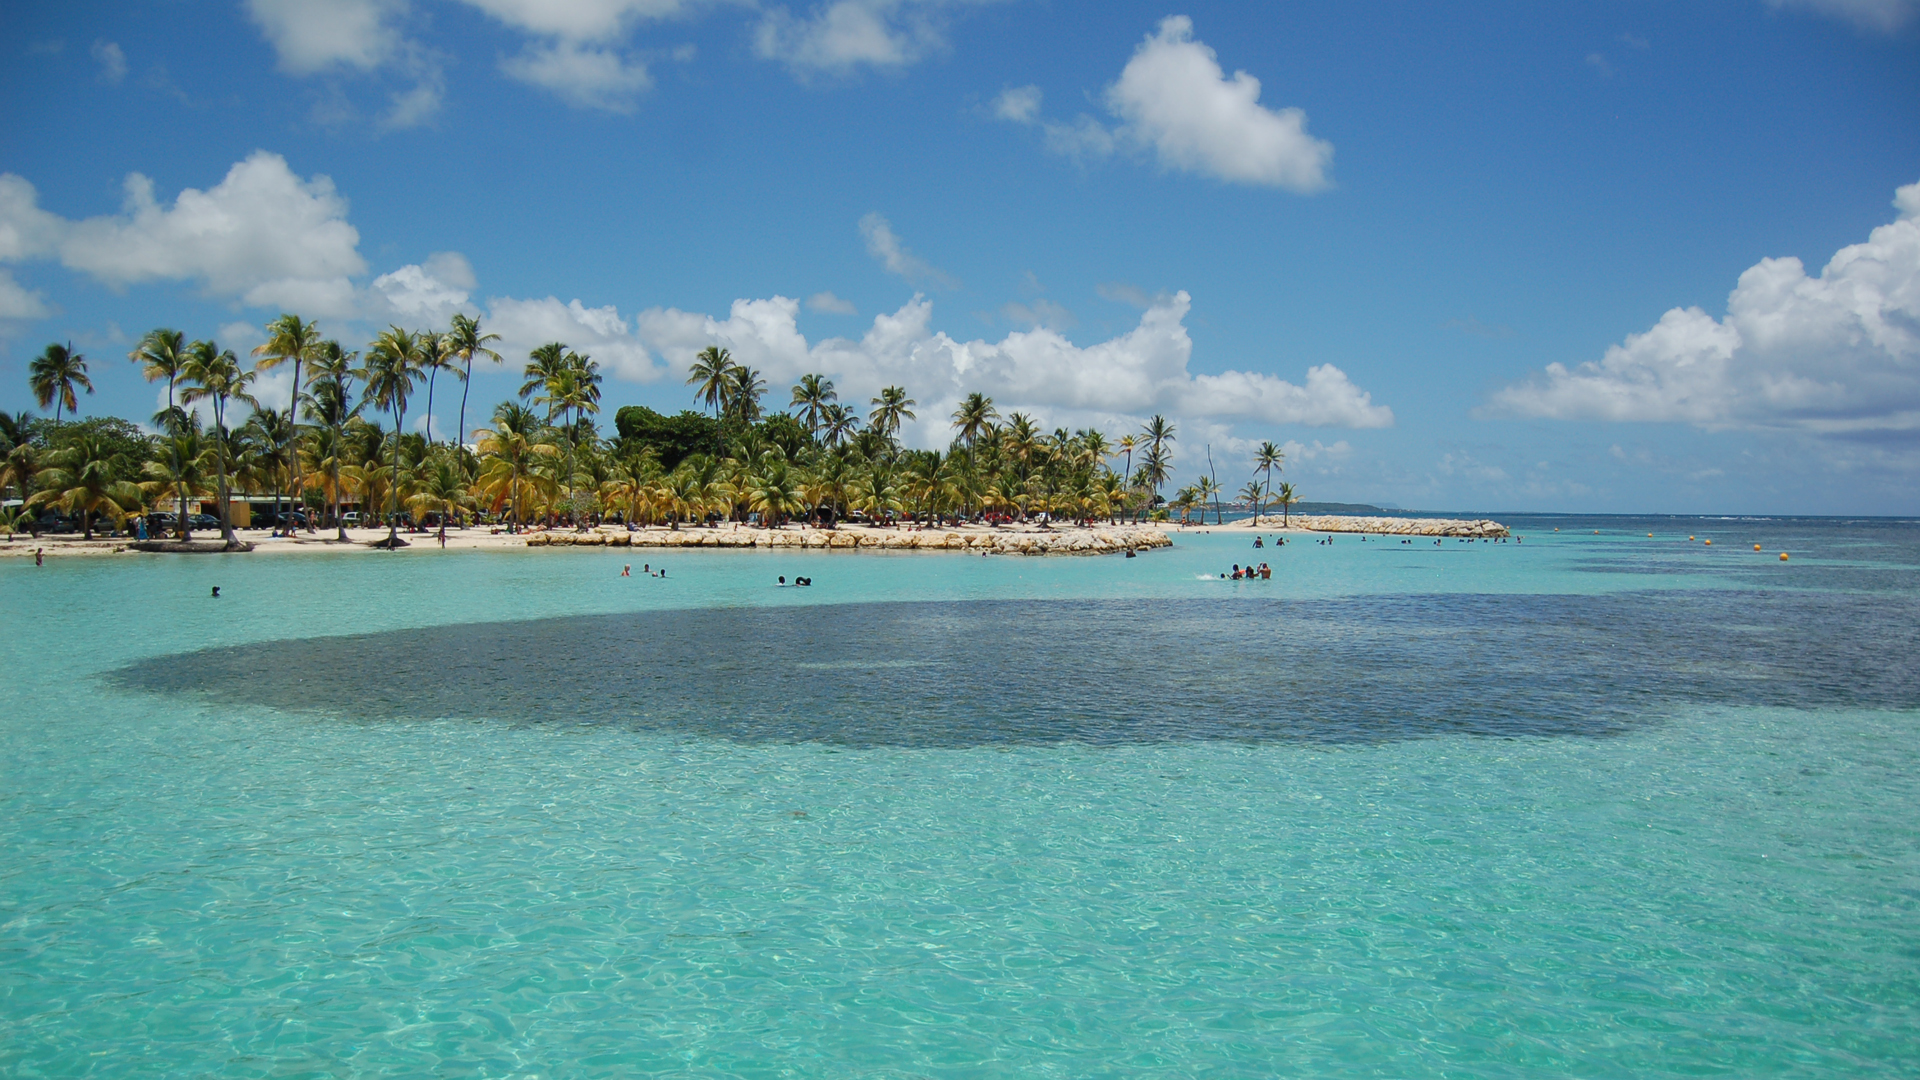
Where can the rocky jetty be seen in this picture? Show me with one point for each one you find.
(1071, 541)
(1481, 529)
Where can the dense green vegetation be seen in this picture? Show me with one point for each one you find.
(341, 442)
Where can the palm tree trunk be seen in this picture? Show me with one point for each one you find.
(430, 377)
(293, 456)
(466, 385)
(340, 526)
(393, 490)
(220, 459)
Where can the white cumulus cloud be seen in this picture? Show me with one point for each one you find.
(1173, 99)
(313, 35)
(1142, 371)
(600, 332)
(578, 20)
(263, 236)
(843, 34)
(1834, 354)
(591, 77)
(18, 303)
(112, 61)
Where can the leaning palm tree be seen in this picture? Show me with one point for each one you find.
(467, 342)
(289, 339)
(710, 375)
(53, 375)
(214, 375)
(889, 409)
(393, 368)
(974, 416)
(811, 395)
(83, 477)
(160, 355)
(441, 488)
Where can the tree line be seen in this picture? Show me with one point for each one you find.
(340, 438)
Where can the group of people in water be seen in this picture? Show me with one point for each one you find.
(800, 581)
(645, 568)
(1263, 572)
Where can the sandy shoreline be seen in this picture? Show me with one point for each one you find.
(1009, 539)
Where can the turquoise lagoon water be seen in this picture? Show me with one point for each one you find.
(1593, 805)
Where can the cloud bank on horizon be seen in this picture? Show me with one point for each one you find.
(1832, 355)
(266, 238)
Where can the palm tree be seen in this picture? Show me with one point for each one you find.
(1252, 493)
(1155, 469)
(569, 391)
(773, 490)
(440, 489)
(185, 472)
(709, 375)
(393, 367)
(543, 364)
(974, 417)
(160, 355)
(874, 490)
(511, 452)
(812, 394)
(436, 355)
(467, 342)
(1286, 498)
(744, 389)
(214, 375)
(289, 339)
(838, 423)
(330, 403)
(1268, 458)
(83, 477)
(54, 373)
(889, 409)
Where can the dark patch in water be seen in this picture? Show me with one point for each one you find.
(1101, 672)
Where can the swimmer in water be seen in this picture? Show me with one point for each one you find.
(627, 570)
(216, 592)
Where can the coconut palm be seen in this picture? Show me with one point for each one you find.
(393, 368)
(53, 375)
(329, 402)
(1266, 459)
(1286, 498)
(436, 356)
(875, 491)
(543, 365)
(811, 395)
(889, 409)
(289, 339)
(440, 488)
(515, 456)
(1155, 468)
(569, 391)
(838, 423)
(83, 477)
(160, 355)
(1252, 493)
(744, 390)
(184, 472)
(974, 417)
(710, 375)
(1158, 433)
(467, 342)
(774, 490)
(213, 375)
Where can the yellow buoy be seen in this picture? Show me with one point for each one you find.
(1596, 532)
(1689, 538)
(1709, 543)
(1756, 547)
(1783, 556)
(1649, 536)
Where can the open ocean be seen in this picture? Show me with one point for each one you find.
(1587, 805)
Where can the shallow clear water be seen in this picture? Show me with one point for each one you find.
(1586, 805)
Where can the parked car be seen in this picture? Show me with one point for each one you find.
(297, 518)
(351, 519)
(203, 521)
(161, 522)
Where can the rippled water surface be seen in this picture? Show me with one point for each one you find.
(1596, 805)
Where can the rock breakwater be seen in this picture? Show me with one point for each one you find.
(1097, 541)
(1393, 526)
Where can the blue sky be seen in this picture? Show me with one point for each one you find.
(1373, 246)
